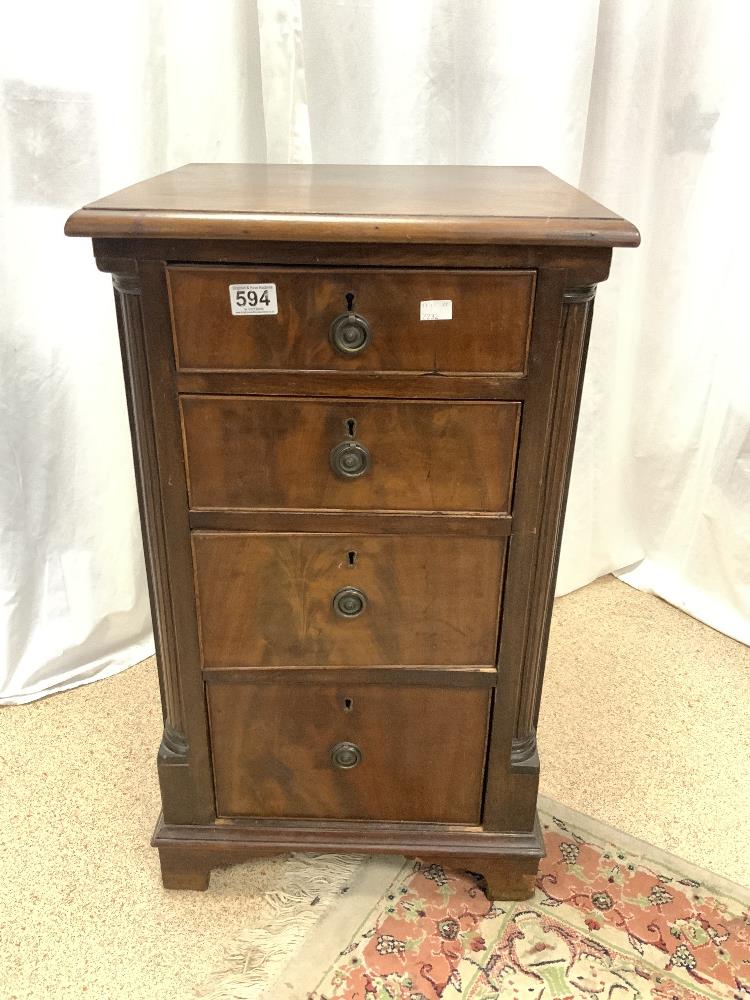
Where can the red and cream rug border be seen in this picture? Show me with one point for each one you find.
(358, 921)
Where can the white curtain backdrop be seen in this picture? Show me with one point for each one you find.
(642, 103)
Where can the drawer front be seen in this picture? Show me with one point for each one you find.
(487, 333)
(356, 752)
(276, 599)
(289, 454)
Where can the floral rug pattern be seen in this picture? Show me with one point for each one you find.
(603, 922)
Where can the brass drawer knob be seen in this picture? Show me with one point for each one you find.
(350, 333)
(349, 602)
(350, 459)
(345, 755)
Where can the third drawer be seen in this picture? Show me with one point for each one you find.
(276, 599)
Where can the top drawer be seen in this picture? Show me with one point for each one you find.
(488, 331)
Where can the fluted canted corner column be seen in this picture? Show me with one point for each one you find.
(174, 745)
(577, 313)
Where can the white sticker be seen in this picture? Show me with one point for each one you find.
(436, 309)
(253, 300)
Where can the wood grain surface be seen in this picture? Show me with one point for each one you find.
(328, 202)
(253, 452)
(422, 751)
(267, 599)
(488, 331)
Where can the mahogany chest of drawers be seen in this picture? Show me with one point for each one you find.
(353, 395)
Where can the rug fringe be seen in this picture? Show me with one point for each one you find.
(250, 962)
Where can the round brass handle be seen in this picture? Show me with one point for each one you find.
(350, 333)
(349, 602)
(345, 755)
(350, 459)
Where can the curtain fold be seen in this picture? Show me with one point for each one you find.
(642, 104)
(84, 111)
(660, 490)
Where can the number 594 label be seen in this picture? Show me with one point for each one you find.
(253, 300)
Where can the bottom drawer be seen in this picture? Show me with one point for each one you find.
(349, 752)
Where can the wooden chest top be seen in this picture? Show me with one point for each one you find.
(340, 203)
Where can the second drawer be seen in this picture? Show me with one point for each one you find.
(278, 599)
(246, 453)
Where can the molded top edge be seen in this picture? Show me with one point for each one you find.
(342, 203)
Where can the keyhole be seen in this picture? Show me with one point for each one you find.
(351, 427)
(352, 558)
(348, 704)
(349, 301)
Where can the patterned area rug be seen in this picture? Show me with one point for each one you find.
(611, 917)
